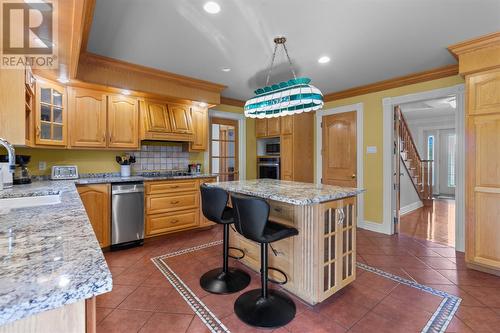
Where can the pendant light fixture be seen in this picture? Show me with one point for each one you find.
(285, 98)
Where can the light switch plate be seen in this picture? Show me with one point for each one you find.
(371, 149)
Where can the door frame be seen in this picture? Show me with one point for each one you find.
(388, 136)
(358, 108)
(242, 152)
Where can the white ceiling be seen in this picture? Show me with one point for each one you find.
(368, 41)
(430, 110)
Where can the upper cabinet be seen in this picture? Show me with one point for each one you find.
(156, 116)
(260, 128)
(180, 118)
(200, 129)
(123, 122)
(270, 127)
(50, 114)
(273, 126)
(87, 114)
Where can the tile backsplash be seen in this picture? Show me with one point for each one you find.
(160, 158)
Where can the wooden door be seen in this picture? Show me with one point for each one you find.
(87, 115)
(156, 116)
(273, 126)
(180, 118)
(286, 125)
(339, 149)
(224, 153)
(123, 122)
(483, 191)
(286, 154)
(260, 127)
(97, 202)
(51, 115)
(200, 129)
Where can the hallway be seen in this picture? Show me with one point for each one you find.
(436, 223)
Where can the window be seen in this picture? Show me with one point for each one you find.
(452, 142)
(224, 148)
(430, 153)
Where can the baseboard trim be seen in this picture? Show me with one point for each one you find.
(411, 207)
(373, 226)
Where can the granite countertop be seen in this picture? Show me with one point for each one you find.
(294, 193)
(116, 178)
(49, 255)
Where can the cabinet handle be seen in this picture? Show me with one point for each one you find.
(174, 221)
(277, 210)
(174, 202)
(341, 216)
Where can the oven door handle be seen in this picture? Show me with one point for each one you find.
(269, 164)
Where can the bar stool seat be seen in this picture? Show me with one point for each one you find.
(263, 307)
(222, 280)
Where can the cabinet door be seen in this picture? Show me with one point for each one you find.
(87, 114)
(273, 126)
(286, 155)
(260, 127)
(200, 127)
(346, 231)
(97, 203)
(286, 124)
(123, 122)
(483, 90)
(50, 115)
(180, 118)
(156, 114)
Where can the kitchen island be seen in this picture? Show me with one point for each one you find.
(321, 259)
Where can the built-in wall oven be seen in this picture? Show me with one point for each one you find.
(268, 167)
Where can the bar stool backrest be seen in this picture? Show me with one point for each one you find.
(213, 202)
(250, 216)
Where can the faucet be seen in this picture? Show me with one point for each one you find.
(12, 154)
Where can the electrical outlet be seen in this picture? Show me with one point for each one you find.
(42, 165)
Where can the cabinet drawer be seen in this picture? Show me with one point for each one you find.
(281, 212)
(165, 203)
(163, 223)
(171, 186)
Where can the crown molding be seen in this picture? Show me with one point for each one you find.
(232, 102)
(474, 44)
(433, 74)
(478, 54)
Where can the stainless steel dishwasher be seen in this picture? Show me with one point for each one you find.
(127, 215)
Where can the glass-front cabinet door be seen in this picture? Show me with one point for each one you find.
(51, 114)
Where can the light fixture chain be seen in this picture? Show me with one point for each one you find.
(272, 64)
(289, 61)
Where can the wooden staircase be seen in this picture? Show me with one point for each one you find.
(419, 170)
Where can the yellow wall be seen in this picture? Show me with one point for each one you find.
(372, 134)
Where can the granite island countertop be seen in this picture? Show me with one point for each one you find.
(295, 193)
(49, 255)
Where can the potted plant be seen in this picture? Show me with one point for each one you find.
(125, 161)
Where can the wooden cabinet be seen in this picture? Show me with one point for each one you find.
(200, 129)
(97, 202)
(204, 222)
(338, 245)
(180, 118)
(260, 128)
(123, 122)
(51, 114)
(156, 116)
(273, 126)
(17, 106)
(286, 150)
(286, 125)
(87, 115)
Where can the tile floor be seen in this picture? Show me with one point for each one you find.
(142, 300)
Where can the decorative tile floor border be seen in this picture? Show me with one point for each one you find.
(436, 324)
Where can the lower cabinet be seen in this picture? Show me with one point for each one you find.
(97, 202)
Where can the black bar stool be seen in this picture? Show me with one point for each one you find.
(261, 307)
(222, 280)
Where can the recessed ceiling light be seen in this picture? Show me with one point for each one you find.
(226, 69)
(324, 60)
(212, 7)
(126, 92)
(202, 104)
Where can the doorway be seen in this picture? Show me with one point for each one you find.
(224, 145)
(442, 144)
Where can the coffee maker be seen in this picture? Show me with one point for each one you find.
(21, 173)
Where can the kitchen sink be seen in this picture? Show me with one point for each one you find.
(7, 204)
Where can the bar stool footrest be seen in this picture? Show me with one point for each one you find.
(276, 281)
(237, 249)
